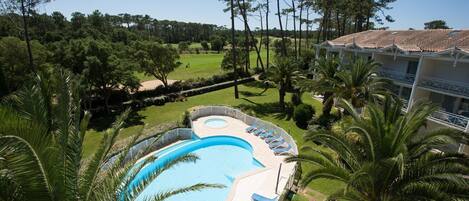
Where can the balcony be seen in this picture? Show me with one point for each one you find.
(405, 104)
(448, 86)
(397, 76)
(457, 121)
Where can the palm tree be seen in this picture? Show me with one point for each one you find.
(41, 143)
(384, 156)
(360, 84)
(326, 81)
(282, 74)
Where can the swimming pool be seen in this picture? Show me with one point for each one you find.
(222, 159)
(216, 123)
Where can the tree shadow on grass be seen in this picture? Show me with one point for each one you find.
(250, 93)
(104, 121)
(259, 84)
(267, 109)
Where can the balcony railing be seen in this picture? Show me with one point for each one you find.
(405, 104)
(458, 121)
(454, 87)
(397, 76)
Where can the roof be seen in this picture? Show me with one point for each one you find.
(436, 40)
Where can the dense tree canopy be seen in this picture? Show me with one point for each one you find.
(156, 59)
(436, 24)
(14, 61)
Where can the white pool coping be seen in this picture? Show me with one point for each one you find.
(262, 181)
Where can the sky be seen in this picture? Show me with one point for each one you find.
(407, 13)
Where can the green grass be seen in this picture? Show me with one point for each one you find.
(200, 66)
(193, 66)
(299, 198)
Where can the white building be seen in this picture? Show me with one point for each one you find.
(424, 64)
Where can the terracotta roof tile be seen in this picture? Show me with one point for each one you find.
(412, 40)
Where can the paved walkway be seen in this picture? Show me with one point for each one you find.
(262, 181)
(152, 84)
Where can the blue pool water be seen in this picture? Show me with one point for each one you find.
(222, 159)
(216, 123)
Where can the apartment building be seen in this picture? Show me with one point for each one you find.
(428, 65)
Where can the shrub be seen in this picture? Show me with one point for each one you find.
(186, 121)
(205, 45)
(326, 121)
(296, 99)
(302, 114)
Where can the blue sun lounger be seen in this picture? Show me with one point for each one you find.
(272, 138)
(266, 134)
(259, 197)
(276, 143)
(251, 128)
(281, 150)
(259, 132)
(248, 129)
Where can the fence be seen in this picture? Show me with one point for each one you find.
(249, 120)
(149, 144)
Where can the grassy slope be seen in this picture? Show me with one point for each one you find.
(200, 65)
(258, 105)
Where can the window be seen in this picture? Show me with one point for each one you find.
(464, 107)
(444, 101)
(412, 67)
(405, 94)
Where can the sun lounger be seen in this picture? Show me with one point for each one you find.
(282, 150)
(266, 134)
(251, 128)
(261, 197)
(272, 138)
(259, 132)
(276, 143)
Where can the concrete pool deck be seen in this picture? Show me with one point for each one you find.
(261, 181)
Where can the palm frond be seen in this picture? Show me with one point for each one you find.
(196, 187)
(90, 173)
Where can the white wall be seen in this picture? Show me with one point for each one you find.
(445, 70)
(388, 62)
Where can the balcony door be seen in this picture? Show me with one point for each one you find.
(412, 67)
(444, 101)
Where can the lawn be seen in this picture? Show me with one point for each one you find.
(200, 66)
(262, 106)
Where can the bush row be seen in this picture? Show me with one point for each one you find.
(120, 96)
(187, 85)
(171, 96)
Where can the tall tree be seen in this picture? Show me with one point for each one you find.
(301, 23)
(233, 49)
(14, 62)
(436, 24)
(294, 28)
(284, 45)
(157, 60)
(267, 12)
(282, 74)
(25, 7)
(106, 71)
(243, 10)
